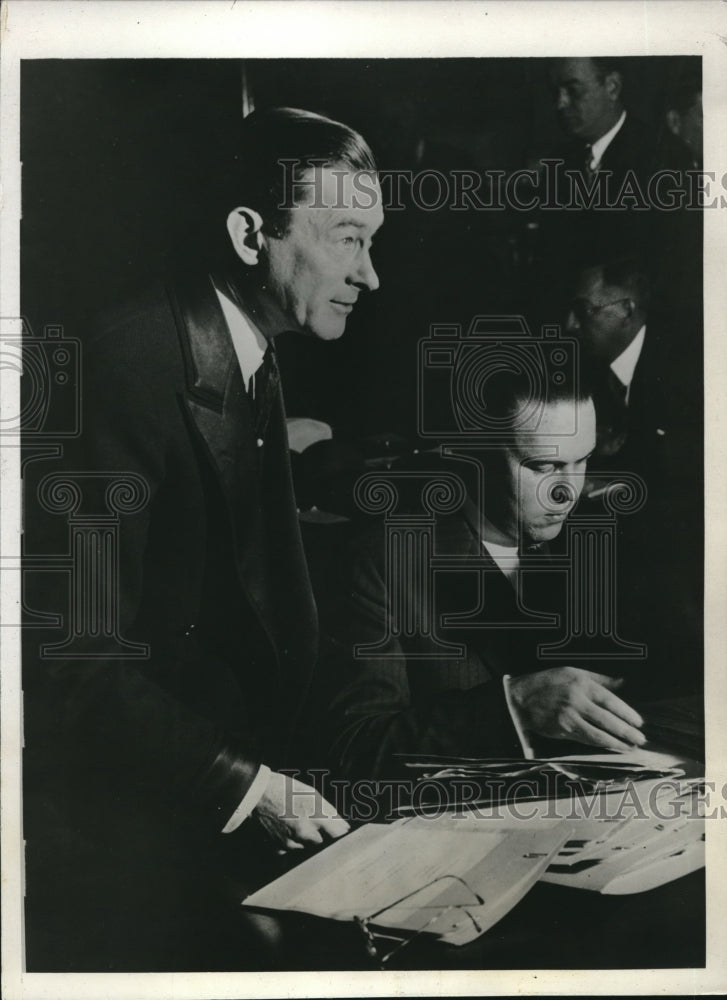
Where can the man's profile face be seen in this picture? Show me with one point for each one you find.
(544, 470)
(601, 315)
(587, 105)
(318, 268)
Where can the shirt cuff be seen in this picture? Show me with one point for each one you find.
(250, 799)
(527, 749)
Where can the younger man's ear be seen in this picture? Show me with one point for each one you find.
(245, 228)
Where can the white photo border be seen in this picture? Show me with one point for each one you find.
(43, 29)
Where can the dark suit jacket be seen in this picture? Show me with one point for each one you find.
(408, 703)
(212, 577)
(669, 241)
(633, 148)
(663, 419)
(660, 546)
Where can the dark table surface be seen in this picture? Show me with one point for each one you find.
(553, 927)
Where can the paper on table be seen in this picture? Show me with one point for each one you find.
(637, 757)
(639, 868)
(660, 841)
(683, 861)
(480, 874)
(372, 872)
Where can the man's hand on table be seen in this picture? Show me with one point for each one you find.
(295, 816)
(574, 704)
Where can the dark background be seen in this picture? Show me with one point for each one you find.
(120, 166)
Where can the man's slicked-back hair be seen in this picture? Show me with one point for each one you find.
(610, 64)
(512, 392)
(272, 135)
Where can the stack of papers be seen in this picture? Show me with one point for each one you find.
(455, 874)
(657, 835)
(454, 779)
(627, 836)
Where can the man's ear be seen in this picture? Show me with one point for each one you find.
(613, 85)
(245, 228)
(674, 122)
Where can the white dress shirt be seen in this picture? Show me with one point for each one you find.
(624, 366)
(599, 147)
(250, 346)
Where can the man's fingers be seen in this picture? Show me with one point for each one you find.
(328, 820)
(308, 833)
(334, 827)
(291, 845)
(606, 699)
(611, 724)
(587, 733)
(613, 683)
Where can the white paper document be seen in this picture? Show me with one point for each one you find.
(658, 838)
(451, 878)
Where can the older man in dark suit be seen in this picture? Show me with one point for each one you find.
(163, 735)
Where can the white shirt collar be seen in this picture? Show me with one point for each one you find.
(625, 364)
(250, 345)
(505, 557)
(599, 147)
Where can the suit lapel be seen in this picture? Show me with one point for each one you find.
(220, 410)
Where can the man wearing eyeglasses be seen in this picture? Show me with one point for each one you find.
(643, 366)
(648, 396)
(608, 312)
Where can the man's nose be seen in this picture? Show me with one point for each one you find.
(572, 323)
(568, 488)
(562, 99)
(365, 274)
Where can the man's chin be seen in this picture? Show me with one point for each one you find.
(326, 328)
(547, 532)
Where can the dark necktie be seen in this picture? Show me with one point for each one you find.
(265, 383)
(588, 169)
(611, 412)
